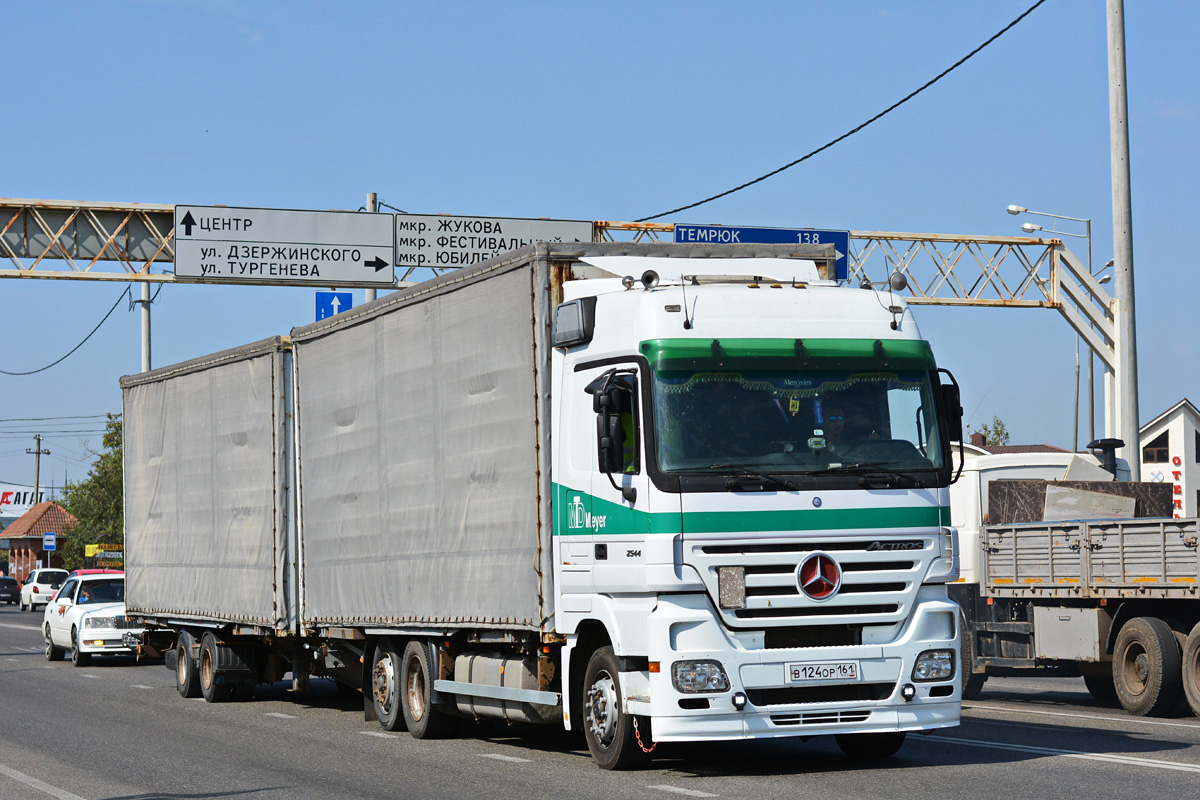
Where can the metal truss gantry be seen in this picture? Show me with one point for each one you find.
(128, 241)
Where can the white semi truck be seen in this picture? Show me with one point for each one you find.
(649, 492)
(1116, 601)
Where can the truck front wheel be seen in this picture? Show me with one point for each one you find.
(424, 721)
(1191, 669)
(385, 687)
(1146, 667)
(606, 726)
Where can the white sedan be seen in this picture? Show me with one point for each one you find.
(86, 618)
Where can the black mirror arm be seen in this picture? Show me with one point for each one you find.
(628, 492)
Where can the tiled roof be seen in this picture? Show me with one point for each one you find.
(999, 449)
(42, 518)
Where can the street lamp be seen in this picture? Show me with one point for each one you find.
(1031, 227)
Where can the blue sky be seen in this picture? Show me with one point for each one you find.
(614, 110)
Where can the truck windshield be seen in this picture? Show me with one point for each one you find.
(791, 407)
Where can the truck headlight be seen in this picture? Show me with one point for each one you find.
(934, 665)
(694, 677)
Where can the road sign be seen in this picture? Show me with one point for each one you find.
(729, 234)
(219, 244)
(446, 242)
(330, 303)
(49, 541)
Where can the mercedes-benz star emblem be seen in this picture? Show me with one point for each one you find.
(819, 576)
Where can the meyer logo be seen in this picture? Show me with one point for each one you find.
(579, 517)
(910, 545)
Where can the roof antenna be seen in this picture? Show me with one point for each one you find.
(687, 322)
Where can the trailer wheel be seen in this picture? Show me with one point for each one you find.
(1146, 667)
(385, 687)
(423, 719)
(606, 727)
(53, 652)
(870, 745)
(212, 687)
(186, 680)
(1191, 669)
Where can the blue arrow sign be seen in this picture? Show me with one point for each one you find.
(330, 303)
(728, 234)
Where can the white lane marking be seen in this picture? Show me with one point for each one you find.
(20, 627)
(1132, 761)
(140, 686)
(378, 734)
(1138, 720)
(34, 783)
(678, 790)
(93, 677)
(277, 715)
(499, 757)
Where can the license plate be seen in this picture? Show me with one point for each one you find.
(828, 671)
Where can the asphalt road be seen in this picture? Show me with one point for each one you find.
(117, 729)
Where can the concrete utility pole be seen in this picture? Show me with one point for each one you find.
(145, 301)
(1126, 390)
(372, 207)
(37, 454)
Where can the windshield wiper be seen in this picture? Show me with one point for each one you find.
(876, 472)
(743, 474)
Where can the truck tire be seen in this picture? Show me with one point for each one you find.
(606, 727)
(385, 687)
(78, 657)
(212, 686)
(53, 652)
(972, 682)
(1146, 667)
(1191, 669)
(187, 682)
(1101, 688)
(870, 745)
(421, 717)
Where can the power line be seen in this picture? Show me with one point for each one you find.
(76, 347)
(48, 419)
(852, 131)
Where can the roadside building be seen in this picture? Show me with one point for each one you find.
(26, 535)
(1171, 454)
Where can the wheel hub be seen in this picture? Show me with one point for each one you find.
(416, 690)
(384, 682)
(602, 709)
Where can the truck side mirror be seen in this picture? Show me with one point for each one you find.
(952, 402)
(610, 439)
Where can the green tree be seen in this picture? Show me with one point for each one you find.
(97, 502)
(994, 434)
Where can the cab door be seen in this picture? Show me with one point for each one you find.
(620, 486)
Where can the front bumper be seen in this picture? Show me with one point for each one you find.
(106, 640)
(685, 627)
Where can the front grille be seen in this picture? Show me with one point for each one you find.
(821, 717)
(831, 693)
(878, 587)
(812, 636)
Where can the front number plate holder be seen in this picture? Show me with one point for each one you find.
(823, 672)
